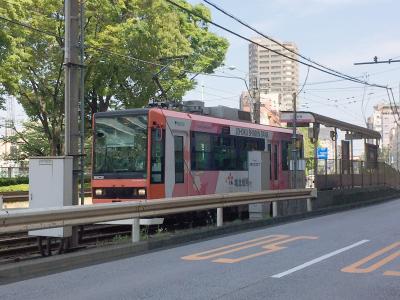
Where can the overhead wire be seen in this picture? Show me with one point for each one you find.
(305, 82)
(322, 69)
(275, 41)
(27, 26)
(15, 22)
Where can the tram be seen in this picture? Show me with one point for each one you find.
(155, 153)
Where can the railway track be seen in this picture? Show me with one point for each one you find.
(21, 246)
(24, 196)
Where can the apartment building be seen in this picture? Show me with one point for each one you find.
(272, 73)
(383, 120)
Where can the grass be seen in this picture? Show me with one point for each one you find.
(15, 188)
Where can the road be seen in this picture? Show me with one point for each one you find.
(349, 255)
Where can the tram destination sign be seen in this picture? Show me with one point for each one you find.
(250, 132)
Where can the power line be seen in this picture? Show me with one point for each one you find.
(119, 54)
(377, 62)
(15, 22)
(262, 46)
(340, 80)
(275, 41)
(304, 83)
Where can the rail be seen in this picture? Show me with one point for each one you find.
(32, 219)
(24, 196)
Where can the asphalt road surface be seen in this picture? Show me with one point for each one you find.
(349, 255)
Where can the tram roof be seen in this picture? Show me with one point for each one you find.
(304, 118)
(195, 117)
(222, 121)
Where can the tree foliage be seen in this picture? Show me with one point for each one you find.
(122, 37)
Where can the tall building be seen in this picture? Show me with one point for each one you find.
(383, 120)
(272, 73)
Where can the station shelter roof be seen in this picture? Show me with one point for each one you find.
(304, 118)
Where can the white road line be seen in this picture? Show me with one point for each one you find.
(319, 259)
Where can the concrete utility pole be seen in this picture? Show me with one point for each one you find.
(82, 101)
(257, 102)
(294, 140)
(71, 64)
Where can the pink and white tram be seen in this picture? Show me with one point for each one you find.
(156, 153)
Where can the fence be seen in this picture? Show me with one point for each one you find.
(12, 172)
(353, 173)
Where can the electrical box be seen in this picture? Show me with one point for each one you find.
(50, 185)
(259, 179)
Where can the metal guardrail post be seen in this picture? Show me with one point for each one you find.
(1, 202)
(135, 230)
(309, 205)
(220, 217)
(274, 209)
(362, 173)
(352, 172)
(384, 175)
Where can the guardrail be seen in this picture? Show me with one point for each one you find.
(31, 219)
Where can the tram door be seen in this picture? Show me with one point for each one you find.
(273, 149)
(181, 159)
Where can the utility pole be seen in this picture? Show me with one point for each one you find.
(294, 140)
(256, 104)
(71, 67)
(397, 147)
(82, 101)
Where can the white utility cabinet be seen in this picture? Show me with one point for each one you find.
(259, 170)
(50, 185)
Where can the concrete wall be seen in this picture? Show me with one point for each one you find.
(334, 198)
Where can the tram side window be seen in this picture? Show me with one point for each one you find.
(285, 155)
(275, 162)
(157, 155)
(244, 145)
(179, 162)
(225, 154)
(270, 160)
(222, 152)
(201, 151)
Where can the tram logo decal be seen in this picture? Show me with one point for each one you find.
(238, 182)
(229, 179)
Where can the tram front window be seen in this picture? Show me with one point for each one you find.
(120, 146)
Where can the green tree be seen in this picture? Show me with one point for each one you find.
(30, 141)
(121, 38)
(308, 150)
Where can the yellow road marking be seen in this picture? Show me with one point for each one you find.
(392, 273)
(271, 248)
(356, 267)
(271, 243)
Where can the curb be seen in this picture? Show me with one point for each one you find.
(56, 264)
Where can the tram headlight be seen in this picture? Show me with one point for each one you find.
(98, 192)
(141, 192)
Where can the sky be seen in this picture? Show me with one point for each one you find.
(335, 33)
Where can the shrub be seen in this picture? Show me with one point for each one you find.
(13, 181)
